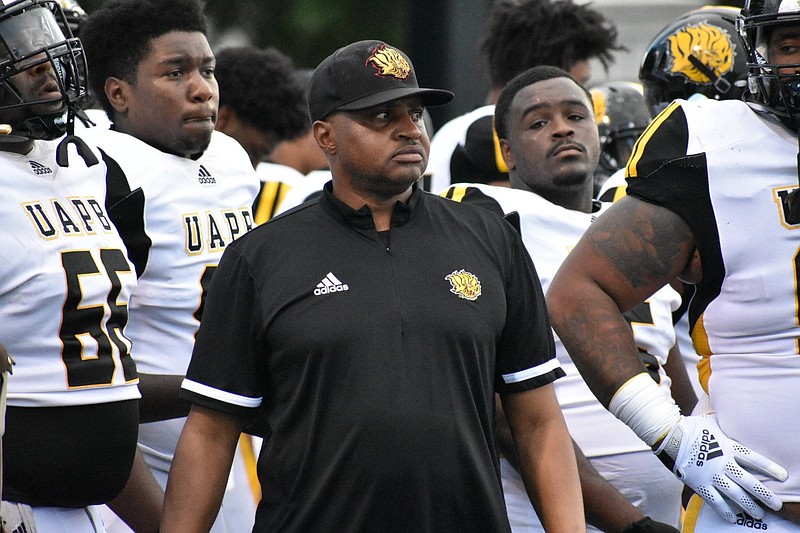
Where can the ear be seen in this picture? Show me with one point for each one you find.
(225, 118)
(117, 93)
(323, 134)
(508, 157)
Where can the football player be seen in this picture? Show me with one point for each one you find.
(711, 201)
(180, 192)
(65, 281)
(550, 141)
(699, 55)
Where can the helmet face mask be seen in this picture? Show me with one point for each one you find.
(699, 53)
(776, 86)
(31, 35)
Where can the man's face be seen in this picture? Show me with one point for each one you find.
(381, 151)
(35, 84)
(173, 103)
(553, 145)
(784, 47)
(26, 33)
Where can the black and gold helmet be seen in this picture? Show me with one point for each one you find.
(699, 53)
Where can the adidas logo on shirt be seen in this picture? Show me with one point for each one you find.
(329, 284)
(205, 177)
(40, 169)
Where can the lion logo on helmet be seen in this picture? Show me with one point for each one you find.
(389, 63)
(708, 44)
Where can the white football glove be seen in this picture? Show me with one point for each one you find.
(714, 466)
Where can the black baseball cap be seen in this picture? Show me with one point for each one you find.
(364, 74)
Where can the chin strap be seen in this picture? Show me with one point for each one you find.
(81, 115)
(721, 85)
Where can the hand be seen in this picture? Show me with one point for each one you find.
(712, 465)
(648, 525)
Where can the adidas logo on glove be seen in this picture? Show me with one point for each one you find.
(708, 449)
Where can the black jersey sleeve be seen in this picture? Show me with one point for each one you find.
(665, 139)
(526, 352)
(225, 372)
(126, 209)
(662, 172)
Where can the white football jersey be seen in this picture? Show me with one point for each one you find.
(726, 170)
(179, 215)
(64, 283)
(550, 232)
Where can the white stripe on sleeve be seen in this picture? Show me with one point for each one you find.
(529, 373)
(221, 395)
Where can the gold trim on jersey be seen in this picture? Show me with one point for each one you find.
(796, 299)
(631, 171)
(703, 349)
(250, 464)
(692, 513)
(455, 193)
(779, 195)
(272, 194)
(620, 192)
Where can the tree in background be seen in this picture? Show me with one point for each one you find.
(306, 30)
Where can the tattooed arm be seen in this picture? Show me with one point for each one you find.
(631, 251)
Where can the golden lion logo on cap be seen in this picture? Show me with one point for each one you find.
(389, 63)
(464, 284)
(709, 44)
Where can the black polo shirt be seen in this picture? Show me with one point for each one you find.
(375, 359)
